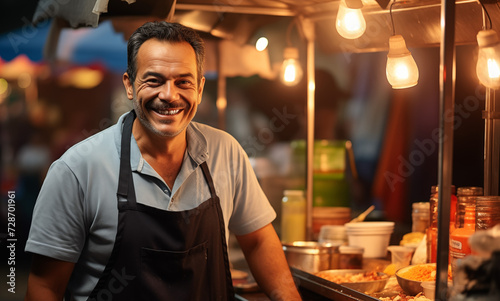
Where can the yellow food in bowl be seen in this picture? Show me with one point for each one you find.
(425, 272)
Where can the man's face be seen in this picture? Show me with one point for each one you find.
(165, 93)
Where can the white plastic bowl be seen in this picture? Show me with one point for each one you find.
(369, 225)
(374, 237)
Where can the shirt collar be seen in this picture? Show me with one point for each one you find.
(197, 148)
(196, 144)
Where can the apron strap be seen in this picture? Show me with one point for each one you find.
(125, 181)
(125, 190)
(210, 182)
(208, 178)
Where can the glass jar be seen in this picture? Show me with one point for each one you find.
(420, 216)
(293, 216)
(432, 230)
(466, 196)
(487, 212)
(351, 257)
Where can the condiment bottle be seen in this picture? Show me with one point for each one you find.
(293, 216)
(420, 216)
(466, 196)
(459, 238)
(432, 230)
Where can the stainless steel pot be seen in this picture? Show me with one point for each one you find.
(311, 256)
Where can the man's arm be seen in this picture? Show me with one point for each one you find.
(264, 254)
(48, 278)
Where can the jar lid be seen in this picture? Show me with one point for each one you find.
(469, 191)
(435, 189)
(421, 205)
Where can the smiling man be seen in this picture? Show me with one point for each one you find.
(142, 210)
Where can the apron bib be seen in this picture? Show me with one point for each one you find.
(165, 255)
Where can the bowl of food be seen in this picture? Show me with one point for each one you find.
(410, 278)
(359, 280)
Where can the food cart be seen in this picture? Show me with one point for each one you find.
(423, 23)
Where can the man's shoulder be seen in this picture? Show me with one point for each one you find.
(98, 147)
(214, 135)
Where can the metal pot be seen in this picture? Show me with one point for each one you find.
(311, 256)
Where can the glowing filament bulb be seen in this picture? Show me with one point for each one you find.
(291, 71)
(487, 68)
(350, 22)
(261, 44)
(401, 69)
(493, 70)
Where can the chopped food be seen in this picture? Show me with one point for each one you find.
(423, 273)
(351, 277)
(404, 297)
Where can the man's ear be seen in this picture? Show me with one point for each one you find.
(129, 86)
(200, 89)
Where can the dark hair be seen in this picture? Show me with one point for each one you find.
(163, 31)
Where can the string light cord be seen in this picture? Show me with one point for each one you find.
(487, 14)
(289, 32)
(392, 19)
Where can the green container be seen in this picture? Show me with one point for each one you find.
(330, 187)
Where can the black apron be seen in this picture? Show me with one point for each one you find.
(165, 255)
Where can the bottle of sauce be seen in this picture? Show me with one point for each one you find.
(293, 216)
(420, 217)
(459, 238)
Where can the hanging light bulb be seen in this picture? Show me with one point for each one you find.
(488, 61)
(261, 44)
(291, 71)
(401, 69)
(350, 21)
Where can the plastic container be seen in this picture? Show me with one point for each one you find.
(401, 255)
(293, 216)
(330, 185)
(373, 237)
(332, 234)
(429, 289)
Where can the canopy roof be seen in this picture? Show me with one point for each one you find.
(417, 20)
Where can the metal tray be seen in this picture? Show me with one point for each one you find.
(327, 289)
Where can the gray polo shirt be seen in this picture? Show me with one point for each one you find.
(75, 216)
